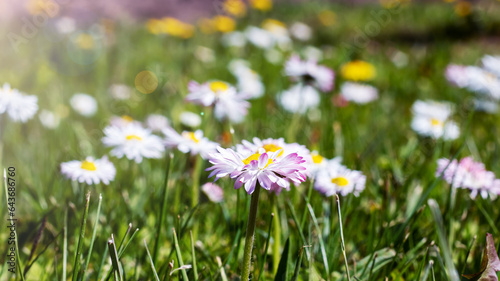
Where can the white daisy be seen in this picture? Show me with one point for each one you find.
(272, 34)
(227, 102)
(431, 119)
(318, 163)
(122, 121)
(299, 99)
(84, 104)
(190, 119)
(90, 170)
(249, 82)
(133, 141)
(492, 64)
(18, 106)
(49, 119)
(483, 82)
(193, 142)
(337, 179)
(309, 72)
(157, 122)
(358, 93)
(301, 31)
(234, 39)
(120, 91)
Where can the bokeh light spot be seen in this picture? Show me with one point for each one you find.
(146, 82)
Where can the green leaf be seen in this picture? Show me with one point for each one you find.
(282, 268)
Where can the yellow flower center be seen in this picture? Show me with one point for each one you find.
(218, 86)
(127, 118)
(87, 165)
(133, 137)
(317, 158)
(273, 148)
(190, 136)
(340, 181)
(358, 71)
(436, 122)
(255, 157)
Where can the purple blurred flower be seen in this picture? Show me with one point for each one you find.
(213, 192)
(469, 174)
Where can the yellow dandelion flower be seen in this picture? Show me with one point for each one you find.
(224, 24)
(327, 18)
(261, 5)
(154, 26)
(177, 28)
(358, 71)
(235, 7)
(463, 8)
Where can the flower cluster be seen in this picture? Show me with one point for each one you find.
(484, 81)
(469, 174)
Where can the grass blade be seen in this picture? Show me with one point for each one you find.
(65, 246)
(76, 267)
(179, 256)
(151, 261)
(93, 236)
(266, 247)
(170, 156)
(342, 244)
(282, 268)
(114, 259)
(195, 269)
(321, 242)
(297, 265)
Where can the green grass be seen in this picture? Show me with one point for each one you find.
(389, 230)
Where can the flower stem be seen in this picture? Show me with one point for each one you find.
(250, 235)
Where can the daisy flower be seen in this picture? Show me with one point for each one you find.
(318, 163)
(49, 119)
(299, 99)
(483, 82)
(90, 170)
(272, 34)
(123, 121)
(492, 64)
(190, 119)
(19, 107)
(157, 122)
(358, 93)
(309, 72)
(193, 142)
(120, 91)
(213, 192)
(247, 148)
(457, 75)
(227, 102)
(234, 39)
(469, 174)
(265, 168)
(133, 141)
(301, 31)
(249, 82)
(431, 119)
(335, 178)
(84, 104)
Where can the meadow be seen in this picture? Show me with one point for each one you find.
(406, 220)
